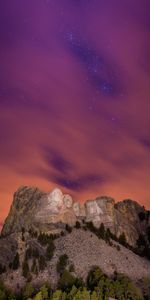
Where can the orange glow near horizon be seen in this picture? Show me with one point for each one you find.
(74, 98)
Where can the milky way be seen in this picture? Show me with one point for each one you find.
(75, 98)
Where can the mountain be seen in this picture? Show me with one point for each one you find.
(40, 228)
(50, 212)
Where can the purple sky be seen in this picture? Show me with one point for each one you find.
(75, 98)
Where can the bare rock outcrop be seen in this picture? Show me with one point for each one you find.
(32, 208)
(132, 219)
(100, 211)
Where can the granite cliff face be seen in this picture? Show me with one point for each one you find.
(50, 212)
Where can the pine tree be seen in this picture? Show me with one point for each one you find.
(94, 296)
(122, 239)
(85, 294)
(16, 263)
(25, 269)
(62, 263)
(78, 295)
(101, 231)
(72, 292)
(66, 280)
(57, 295)
(44, 291)
(64, 296)
(38, 296)
(28, 291)
(34, 267)
(42, 263)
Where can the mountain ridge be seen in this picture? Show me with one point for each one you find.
(50, 211)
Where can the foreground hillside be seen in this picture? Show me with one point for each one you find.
(49, 238)
(83, 249)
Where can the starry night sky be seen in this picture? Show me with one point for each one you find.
(75, 98)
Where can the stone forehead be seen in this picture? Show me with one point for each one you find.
(55, 198)
(76, 208)
(56, 193)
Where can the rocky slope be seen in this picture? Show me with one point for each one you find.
(50, 212)
(33, 213)
(84, 251)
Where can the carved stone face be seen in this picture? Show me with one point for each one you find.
(55, 200)
(76, 208)
(79, 209)
(67, 199)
